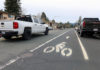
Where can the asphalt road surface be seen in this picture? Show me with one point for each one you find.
(60, 50)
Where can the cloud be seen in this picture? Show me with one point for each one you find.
(67, 10)
(2, 4)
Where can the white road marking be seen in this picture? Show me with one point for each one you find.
(51, 49)
(83, 48)
(14, 60)
(48, 42)
(9, 63)
(2, 67)
(69, 52)
(60, 46)
(67, 37)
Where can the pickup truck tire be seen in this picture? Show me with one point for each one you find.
(27, 34)
(7, 37)
(46, 31)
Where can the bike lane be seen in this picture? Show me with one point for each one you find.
(63, 53)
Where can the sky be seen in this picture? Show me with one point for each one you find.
(61, 10)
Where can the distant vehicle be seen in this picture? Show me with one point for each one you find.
(25, 26)
(76, 28)
(89, 26)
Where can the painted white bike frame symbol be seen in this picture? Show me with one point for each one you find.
(59, 48)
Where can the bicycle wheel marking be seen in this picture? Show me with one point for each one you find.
(59, 48)
(49, 49)
(66, 54)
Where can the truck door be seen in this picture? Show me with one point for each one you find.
(41, 23)
(37, 25)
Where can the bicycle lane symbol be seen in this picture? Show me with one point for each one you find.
(59, 48)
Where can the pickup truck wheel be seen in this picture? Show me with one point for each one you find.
(7, 37)
(27, 34)
(46, 31)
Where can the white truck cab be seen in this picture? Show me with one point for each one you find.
(25, 25)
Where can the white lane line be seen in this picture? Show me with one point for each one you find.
(14, 60)
(83, 48)
(9, 63)
(47, 42)
(67, 37)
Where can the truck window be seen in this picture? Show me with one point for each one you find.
(25, 18)
(91, 19)
(36, 20)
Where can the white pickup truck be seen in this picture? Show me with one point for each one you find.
(25, 26)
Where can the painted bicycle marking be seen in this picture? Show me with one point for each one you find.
(59, 48)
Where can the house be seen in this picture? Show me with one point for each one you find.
(6, 16)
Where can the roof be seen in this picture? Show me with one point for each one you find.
(3, 12)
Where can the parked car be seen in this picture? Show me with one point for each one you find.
(25, 25)
(89, 26)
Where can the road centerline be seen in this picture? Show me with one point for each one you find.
(82, 48)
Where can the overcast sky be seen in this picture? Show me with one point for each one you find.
(61, 10)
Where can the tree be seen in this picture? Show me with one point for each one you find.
(79, 20)
(60, 25)
(44, 17)
(53, 21)
(68, 25)
(13, 7)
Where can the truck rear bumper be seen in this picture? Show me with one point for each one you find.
(91, 30)
(8, 33)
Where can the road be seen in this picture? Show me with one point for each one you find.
(60, 50)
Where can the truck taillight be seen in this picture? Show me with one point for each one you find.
(83, 24)
(15, 25)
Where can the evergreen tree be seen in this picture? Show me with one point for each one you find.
(68, 25)
(44, 17)
(13, 7)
